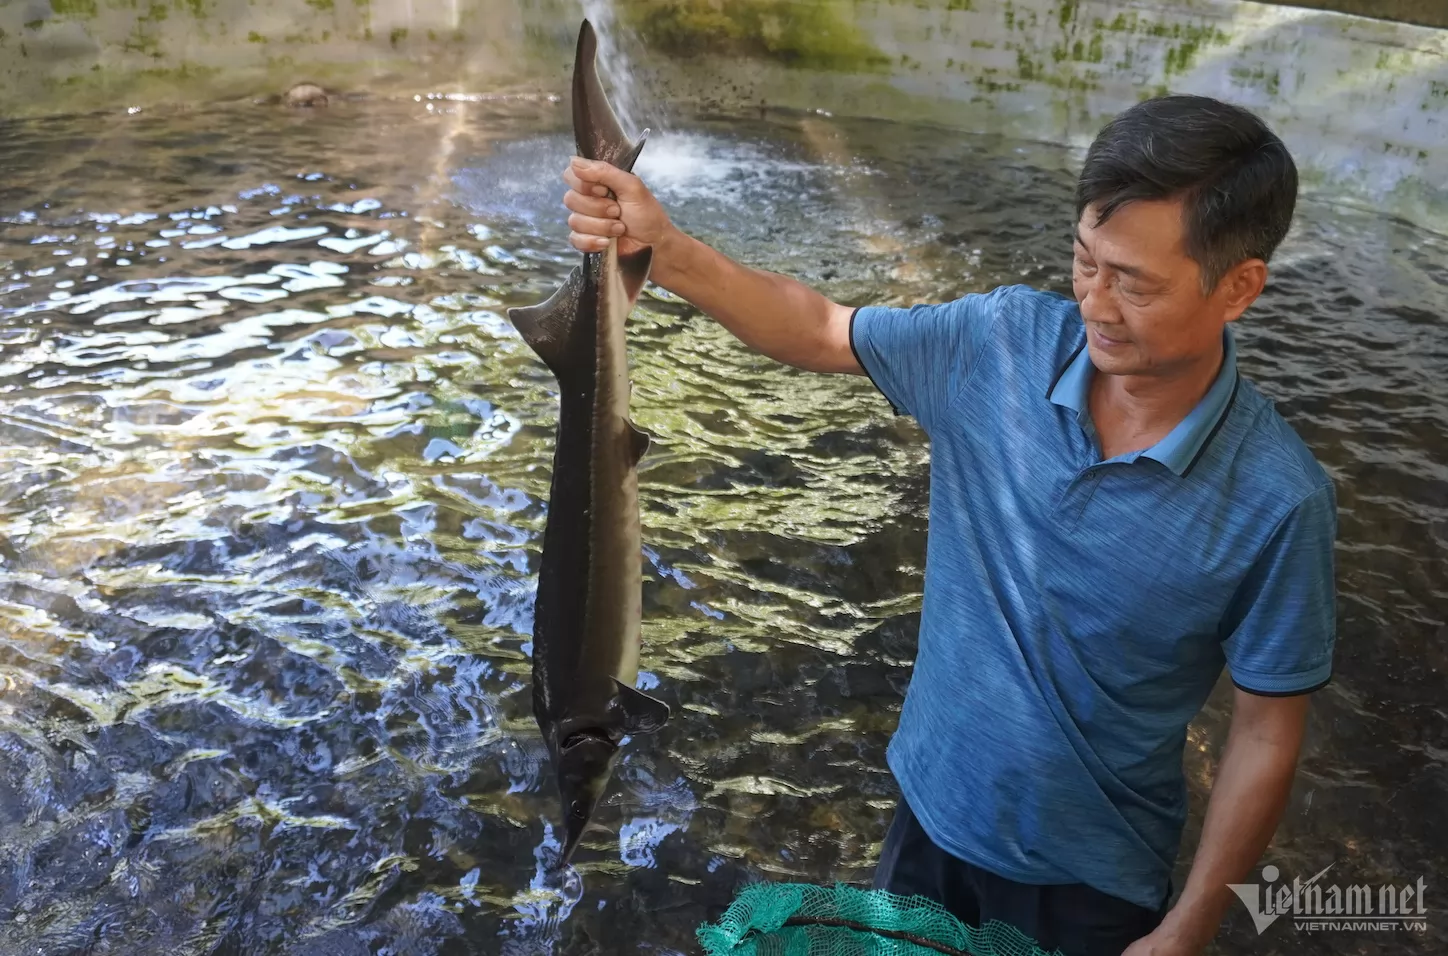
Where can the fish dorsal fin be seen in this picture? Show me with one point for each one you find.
(547, 326)
(642, 714)
(634, 268)
(596, 128)
(640, 441)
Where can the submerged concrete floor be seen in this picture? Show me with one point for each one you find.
(1429, 13)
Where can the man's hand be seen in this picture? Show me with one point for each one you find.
(635, 218)
(1253, 782)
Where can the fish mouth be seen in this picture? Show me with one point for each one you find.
(589, 733)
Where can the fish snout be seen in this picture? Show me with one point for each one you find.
(585, 762)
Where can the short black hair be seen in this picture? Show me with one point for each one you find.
(1235, 178)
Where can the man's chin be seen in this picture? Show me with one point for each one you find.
(1114, 361)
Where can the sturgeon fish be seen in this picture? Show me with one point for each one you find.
(589, 601)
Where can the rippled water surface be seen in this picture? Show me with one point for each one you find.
(275, 469)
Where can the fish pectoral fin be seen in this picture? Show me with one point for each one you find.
(640, 441)
(634, 268)
(642, 714)
(546, 326)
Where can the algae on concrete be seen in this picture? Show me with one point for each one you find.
(74, 8)
(811, 34)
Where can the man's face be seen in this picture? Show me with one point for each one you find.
(1141, 294)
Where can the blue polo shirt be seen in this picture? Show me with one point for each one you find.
(1077, 612)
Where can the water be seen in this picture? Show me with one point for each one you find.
(274, 483)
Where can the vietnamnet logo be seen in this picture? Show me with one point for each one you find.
(1316, 906)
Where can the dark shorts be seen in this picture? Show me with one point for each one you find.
(1072, 918)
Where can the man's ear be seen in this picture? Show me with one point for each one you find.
(1241, 286)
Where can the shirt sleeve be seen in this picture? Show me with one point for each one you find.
(1282, 626)
(920, 357)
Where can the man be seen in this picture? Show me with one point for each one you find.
(1116, 515)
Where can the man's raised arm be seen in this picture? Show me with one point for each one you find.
(770, 313)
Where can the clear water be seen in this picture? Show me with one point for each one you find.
(275, 468)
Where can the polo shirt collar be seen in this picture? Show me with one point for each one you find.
(1184, 444)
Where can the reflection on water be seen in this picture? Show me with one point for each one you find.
(275, 477)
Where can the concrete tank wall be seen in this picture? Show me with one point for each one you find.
(95, 54)
(1363, 103)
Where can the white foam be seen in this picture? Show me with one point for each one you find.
(680, 165)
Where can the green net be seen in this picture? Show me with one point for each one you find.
(797, 919)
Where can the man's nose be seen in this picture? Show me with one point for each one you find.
(1096, 303)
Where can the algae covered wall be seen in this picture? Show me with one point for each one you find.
(93, 54)
(1363, 103)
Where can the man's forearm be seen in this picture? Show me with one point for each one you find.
(1253, 784)
(770, 313)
